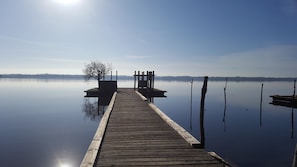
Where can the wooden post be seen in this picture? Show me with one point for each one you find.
(225, 106)
(138, 76)
(111, 75)
(134, 80)
(261, 101)
(153, 79)
(147, 85)
(203, 93)
(225, 98)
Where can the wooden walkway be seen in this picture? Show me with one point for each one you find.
(137, 136)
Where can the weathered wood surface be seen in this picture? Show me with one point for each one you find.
(137, 136)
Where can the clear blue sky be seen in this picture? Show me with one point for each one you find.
(172, 37)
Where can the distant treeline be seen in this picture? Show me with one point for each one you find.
(234, 79)
(164, 78)
(41, 76)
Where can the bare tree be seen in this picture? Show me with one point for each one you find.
(96, 70)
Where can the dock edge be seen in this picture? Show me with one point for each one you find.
(91, 154)
(180, 130)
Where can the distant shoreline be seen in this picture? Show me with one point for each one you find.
(162, 78)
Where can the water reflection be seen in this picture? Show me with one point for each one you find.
(94, 107)
(225, 105)
(261, 103)
(259, 127)
(292, 121)
(51, 118)
(191, 106)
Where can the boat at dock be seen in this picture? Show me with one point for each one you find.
(287, 101)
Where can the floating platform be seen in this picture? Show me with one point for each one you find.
(287, 101)
(107, 88)
(94, 92)
(148, 93)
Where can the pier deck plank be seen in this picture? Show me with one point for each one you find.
(137, 136)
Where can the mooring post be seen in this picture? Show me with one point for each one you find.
(225, 98)
(111, 75)
(138, 76)
(147, 78)
(191, 104)
(153, 82)
(134, 80)
(225, 106)
(203, 93)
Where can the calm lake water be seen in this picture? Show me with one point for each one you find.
(49, 123)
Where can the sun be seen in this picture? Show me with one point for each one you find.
(67, 1)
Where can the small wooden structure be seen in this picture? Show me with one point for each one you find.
(287, 101)
(107, 88)
(145, 84)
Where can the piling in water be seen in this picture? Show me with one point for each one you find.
(203, 93)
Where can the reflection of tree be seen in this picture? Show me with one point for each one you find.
(93, 109)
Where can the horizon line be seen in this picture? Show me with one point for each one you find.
(188, 76)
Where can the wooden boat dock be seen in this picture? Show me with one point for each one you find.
(133, 132)
(287, 101)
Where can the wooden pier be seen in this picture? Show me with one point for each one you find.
(286, 101)
(134, 132)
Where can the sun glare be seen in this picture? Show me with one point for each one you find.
(65, 165)
(66, 1)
